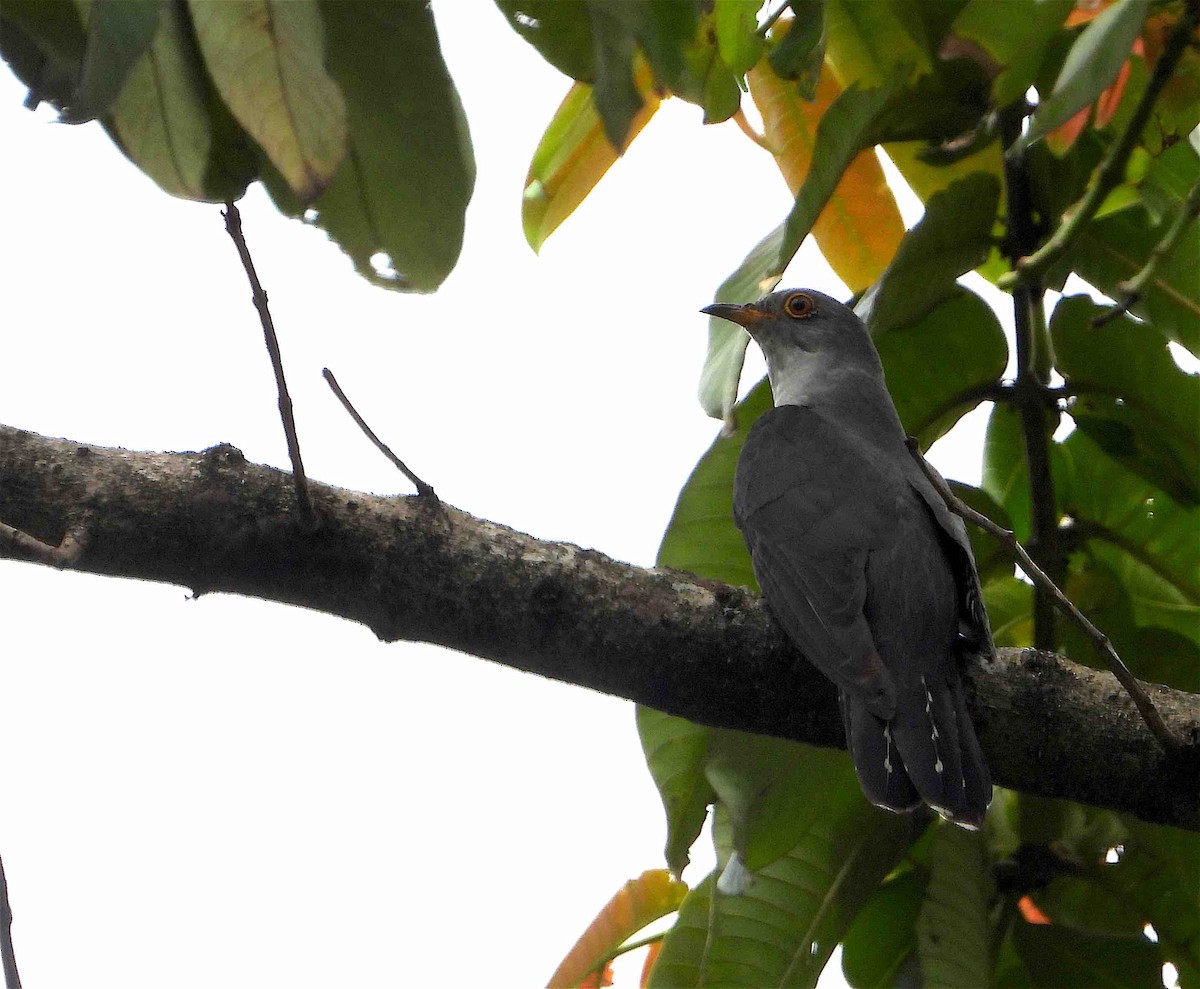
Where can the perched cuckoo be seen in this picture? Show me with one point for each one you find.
(859, 558)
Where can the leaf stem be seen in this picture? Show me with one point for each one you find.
(1131, 290)
(1112, 168)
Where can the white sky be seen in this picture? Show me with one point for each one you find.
(227, 792)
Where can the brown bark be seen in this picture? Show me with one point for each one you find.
(413, 568)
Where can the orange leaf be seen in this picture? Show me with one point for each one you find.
(1032, 912)
(598, 980)
(648, 964)
(860, 228)
(639, 902)
(573, 156)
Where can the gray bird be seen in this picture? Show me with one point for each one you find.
(858, 557)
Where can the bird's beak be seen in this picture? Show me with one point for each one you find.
(746, 316)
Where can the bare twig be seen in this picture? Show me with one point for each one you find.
(772, 18)
(423, 489)
(739, 118)
(12, 980)
(1131, 289)
(233, 226)
(74, 542)
(1112, 168)
(1101, 641)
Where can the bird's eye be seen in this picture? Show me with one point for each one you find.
(798, 305)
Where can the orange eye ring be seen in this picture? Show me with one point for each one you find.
(799, 305)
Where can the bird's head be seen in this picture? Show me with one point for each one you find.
(809, 339)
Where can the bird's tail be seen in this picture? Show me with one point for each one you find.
(927, 752)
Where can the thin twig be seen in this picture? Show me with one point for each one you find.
(233, 226)
(74, 542)
(1112, 169)
(772, 18)
(1101, 641)
(1131, 290)
(423, 489)
(739, 118)
(12, 979)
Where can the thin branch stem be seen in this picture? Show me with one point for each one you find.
(423, 489)
(610, 957)
(1131, 290)
(74, 542)
(1033, 365)
(772, 18)
(12, 979)
(739, 118)
(1101, 641)
(1112, 168)
(233, 226)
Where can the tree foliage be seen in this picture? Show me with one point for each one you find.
(345, 111)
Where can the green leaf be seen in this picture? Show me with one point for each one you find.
(781, 931)
(561, 32)
(1005, 476)
(1145, 537)
(953, 933)
(1130, 396)
(706, 80)
(1067, 959)
(991, 557)
(875, 43)
(936, 365)
(883, 936)
(1082, 904)
(801, 52)
(843, 132)
(617, 98)
(118, 34)
(1091, 65)
(1168, 180)
(675, 753)
(1159, 872)
(701, 537)
(1115, 248)
(266, 58)
(736, 23)
(1011, 37)
(403, 188)
(172, 124)
(665, 30)
(43, 42)
(952, 237)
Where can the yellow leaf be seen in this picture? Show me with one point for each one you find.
(573, 156)
(639, 902)
(860, 228)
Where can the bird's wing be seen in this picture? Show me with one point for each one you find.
(810, 505)
(974, 628)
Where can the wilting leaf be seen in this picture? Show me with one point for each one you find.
(572, 156)
(639, 902)
(843, 132)
(860, 227)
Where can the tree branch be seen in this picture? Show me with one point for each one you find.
(701, 650)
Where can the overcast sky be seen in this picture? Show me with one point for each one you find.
(227, 792)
